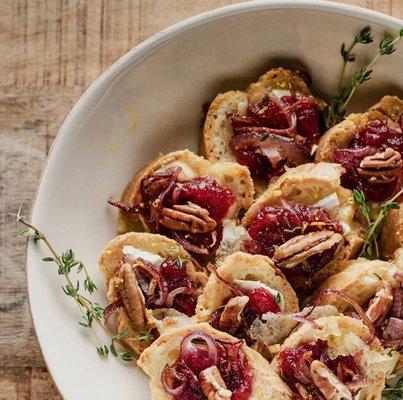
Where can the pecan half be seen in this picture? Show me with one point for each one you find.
(231, 316)
(187, 217)
(328, 383)
(132, 297)
(381, 303)
(212, 384)
(382, 167)
(301, 247)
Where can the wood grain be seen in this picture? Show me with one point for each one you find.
(51, 51)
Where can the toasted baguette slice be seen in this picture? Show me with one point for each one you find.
(228, 174)
(359, 280)
(307, 184)
(111, 259)
(243, 267)
(217, 132)
(165, 350)
(390, 109)
(347, 336)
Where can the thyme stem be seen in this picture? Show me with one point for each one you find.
(90, 312)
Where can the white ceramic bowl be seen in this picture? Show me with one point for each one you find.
(149, 102)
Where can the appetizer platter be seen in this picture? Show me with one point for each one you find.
(265, 262)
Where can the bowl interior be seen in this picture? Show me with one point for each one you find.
(151, 102)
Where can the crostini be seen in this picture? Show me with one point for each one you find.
(199, 362)
(336, 357)
(274, 124)
(153, 284)
(242, 289)
(370, 148)
(187, 198)
(305, 222)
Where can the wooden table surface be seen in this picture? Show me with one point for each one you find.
(50, 51)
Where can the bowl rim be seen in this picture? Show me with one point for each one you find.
(90, 97)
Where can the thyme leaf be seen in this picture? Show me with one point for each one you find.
(374, 226)
(393, 393)
(345, 90)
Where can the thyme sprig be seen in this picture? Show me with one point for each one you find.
(371, 247)
(393, 393)
(91, 312)
(363, 37)
(345, 92)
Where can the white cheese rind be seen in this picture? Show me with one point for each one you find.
(328, 202)
(152, 258)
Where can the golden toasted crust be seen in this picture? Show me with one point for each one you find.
(111, 258)
(217, 127)
(230, 175)
(391, 237)
(243, 266)
(280, 79)
(359, 280)
(337, 330)
(307, 184)
(338, 137)
(165, 350)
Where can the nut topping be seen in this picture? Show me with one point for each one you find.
(132, 297)
(328, 383)
(187, 217)
(213, 385)
(301, 247)
(231, 315)
(382, 167)
(381, 302)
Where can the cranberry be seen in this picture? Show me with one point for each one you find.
(270, 115)
(231, 363)
(185, 303)
(174, 274)
(262, 301)
(374, 137)
(235, 370)
(276, 115)
(197, 359)
(346, 368)
(294, 365)
(161, 190)
(275, 225)
(308, 121)
(209, 194)
(257, 164)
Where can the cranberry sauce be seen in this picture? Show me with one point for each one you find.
(378, 182)
(275, 225)
(167, 286)
(184, 378)
(261, 301)
(294, 367)
(189, 211)
(275, 132)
